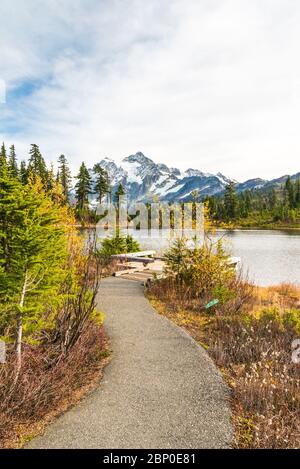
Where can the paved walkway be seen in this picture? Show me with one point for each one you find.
(160, 390)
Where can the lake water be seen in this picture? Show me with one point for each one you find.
(270, 257)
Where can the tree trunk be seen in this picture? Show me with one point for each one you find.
(20, 326)
(19, 341)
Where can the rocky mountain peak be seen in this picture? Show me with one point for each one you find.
(139, 157)
(143, 180)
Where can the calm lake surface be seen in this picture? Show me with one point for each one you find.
(270, 257)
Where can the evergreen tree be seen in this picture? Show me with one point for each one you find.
(247, 202)
(273, 199)
(23, 172)
(102, 184)
(242, 205)
(37, 166)
(230, 201)
(64, 176)
(50, 179)
(8, 201)
(83, 188)
(32, 254)
(290, 193)
(12, 162)
(3, 160)
(119, 192)
(297, 197)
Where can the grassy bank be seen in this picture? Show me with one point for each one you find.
(249, 335)
(245, 224)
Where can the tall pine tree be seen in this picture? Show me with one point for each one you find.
(23, 173)
(83, 188)
(32, 255)
(64, 176)
(3, 160)
(37, 166)
(12, 162)
(297, 197)
(50, 179)
(290, 193)
(119, 192)
(102, 184)
(230, 201)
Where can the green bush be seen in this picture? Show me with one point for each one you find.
(223, 294)
(119, 245)
(204, 270)
(292, 318)
(270, 314)
(288, 318)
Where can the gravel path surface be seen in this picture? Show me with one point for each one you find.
(161, 390)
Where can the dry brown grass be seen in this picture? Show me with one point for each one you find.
(48, 384)
(253, 349)
(284, 296)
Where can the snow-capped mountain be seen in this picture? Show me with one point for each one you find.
(251, 184)
(146, 181)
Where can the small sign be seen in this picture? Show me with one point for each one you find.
(211, 304)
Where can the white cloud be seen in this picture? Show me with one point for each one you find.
(211, 84)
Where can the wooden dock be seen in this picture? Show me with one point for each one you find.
(144, 267)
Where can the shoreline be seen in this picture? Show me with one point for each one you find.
(257, 228)
(220, 228)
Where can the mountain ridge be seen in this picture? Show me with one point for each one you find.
(144, 180)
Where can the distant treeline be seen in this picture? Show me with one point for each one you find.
(278, 205)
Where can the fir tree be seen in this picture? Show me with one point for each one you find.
(230, 201)
(3, 160)
(102, 184)
(83, 188)
(12, 162)
(64, 176)
(248, 202)
(273, 199)
(8, 201)
(36, 165)
(23, 172)
(290, 193)
(32, 254)
(297, 197)
(119, 192)
(50, 179)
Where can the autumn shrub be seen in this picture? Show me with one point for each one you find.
(47, 382)
(266, 383)
(249, 334)
(195, 276)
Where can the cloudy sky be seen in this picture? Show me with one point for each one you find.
(210, 84)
